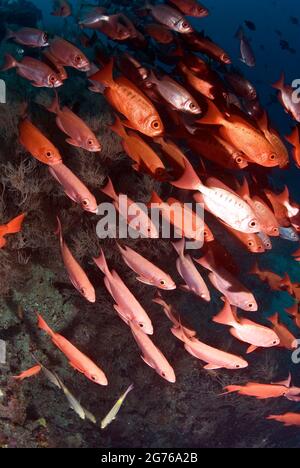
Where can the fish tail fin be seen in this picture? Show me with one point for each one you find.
(15, 225)
(294, 137)
(9, 63)
(179, 247)
(44, 326)
(272, 418)
(102, 263)
(240, 33)
(284, 197)
(213, 115)
(118, 127)
(189, 179)
(59, 231)
(109, 190)
(244, 191)
(274, 319)
(280, 83)
(226, 315)
(105, 75)
(54, 106)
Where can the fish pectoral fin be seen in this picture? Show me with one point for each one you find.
(212, 367)
(121, 314)
(73, 142)
(76, 367)
(251, 349)
(144, 280)
(147, 362)
(128, 124)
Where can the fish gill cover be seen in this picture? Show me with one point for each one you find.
(107, 105)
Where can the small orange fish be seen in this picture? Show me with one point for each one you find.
(287, 339)
(198, 42)
(12, 227)
(148, 273)
(288, 419)
(241, 134)
(257, 336)
(28, 373)
(37, 144)
(215, 358)
(76, 358)
(275, 282)
(159, 33)
(294, 140)
(135, 216)
(151, 355)
(139, 151)
(67, 55)
(274, 138)
(216, 149)
(252, 242)
(186, 268)
(127, 99)
(261, 391)
(76, 274)
(80, 135)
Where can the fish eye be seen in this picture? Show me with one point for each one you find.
(192, 105)
(52, 78)
(205, 233)
(94, 378)
(78, 58)
(185, 24)
(253, 224)
(237, 366)
(155, 124)
(163, 374)
(85, 202)
(268, 245)
(90, 142)
(49, 154)
(239, 160)
(162, 282)
(272, 157)
(250, 244)
(250, 305)
(141, 325)
(275, 230)
(45, 37)
(275, 342)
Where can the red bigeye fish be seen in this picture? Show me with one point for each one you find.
(257, 336)
(198, 42)
(151, 355)
(241, 134)
(127, 307)
(266, 218)
(29, 37)
(252, 242)
(148, 273)
(76, 274)
(274, 138)
(37, 144)
(212, 147)
(215, 358)
(67, 55)
(261, 391)
(185, 221)
(287, 339)
(241, 86)
(62, 8)
(159, 33)
(170, 17)
(38, 73)
(139, 151)
(191, 8)
(12, 227)
(74, 188)
(80, 135)
(127, 99)
(190, 274)
(288, 98)
(173, 154)
(294, 140)
(280, 211)
(288, 419)
(28, 373)
(229, 286)
(137, 218)
(175, 94)
(275, 282)
(76, 358)
(200, 84)
(172, 316)
(247, 54)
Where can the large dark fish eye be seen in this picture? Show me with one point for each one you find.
(45, 37)
(85, 202)
(275, 342)
(78, 58)
(52, 78)
(90, 142)
(250, 243)
(272, 157)
(237, 366)
(163, 374)
(155, 124)
(253, 224)
(141, 325)
(49, 154)
(94, 378)
(250, 305)
(185, 25)
(162, 282)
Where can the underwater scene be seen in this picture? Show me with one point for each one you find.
(149, 224)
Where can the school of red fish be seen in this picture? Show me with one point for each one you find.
(205, 108)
